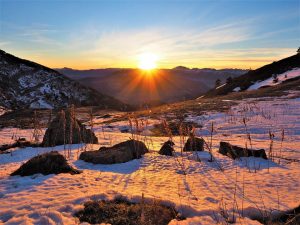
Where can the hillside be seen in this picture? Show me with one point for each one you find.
(262, 77)
(137, 87)
(25, 84)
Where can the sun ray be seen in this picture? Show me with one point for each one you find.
(147, 61)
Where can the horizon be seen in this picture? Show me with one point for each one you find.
(86, 35)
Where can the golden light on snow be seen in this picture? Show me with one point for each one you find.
(148, 61)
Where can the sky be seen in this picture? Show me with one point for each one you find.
(115, 33)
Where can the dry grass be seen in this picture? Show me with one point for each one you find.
(121, 211)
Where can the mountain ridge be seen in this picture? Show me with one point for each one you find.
(265, 72)
(27, 84)
(135, 86)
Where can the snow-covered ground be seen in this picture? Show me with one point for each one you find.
(281, 77)
(199, 190)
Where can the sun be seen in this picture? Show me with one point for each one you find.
(147, 61)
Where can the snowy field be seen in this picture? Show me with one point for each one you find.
(201, 191)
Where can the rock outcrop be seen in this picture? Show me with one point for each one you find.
(66, 129)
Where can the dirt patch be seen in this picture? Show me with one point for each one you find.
(173, 128)
(20, 143)
(120, 212)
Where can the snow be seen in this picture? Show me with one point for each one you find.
(220, 86)
(46, 89)
(40, 104)
(281, 77)
(237, 89)
(196, 188)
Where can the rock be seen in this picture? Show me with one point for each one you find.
(167, 148)
(119, 153)
(20, 143)
(47, 163)
(234, 152)
(66, 129)
(289, 217)
(124, 130)
(194, 144)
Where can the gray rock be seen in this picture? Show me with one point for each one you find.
(47, 163)
(194, 144)
(66, 129)
(119, 153)
(167, 148)
(234, 152)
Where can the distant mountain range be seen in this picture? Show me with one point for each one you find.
(277, 72)
(136, 87)
(25, 84)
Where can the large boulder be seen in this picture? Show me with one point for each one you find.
(194, 144)
(47, 163)
(234, 151)
(119, 153)
(66, 129)
(167, 148)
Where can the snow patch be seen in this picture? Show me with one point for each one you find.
(40, 104)
(237, 89)
(281, 77)
(220, 86)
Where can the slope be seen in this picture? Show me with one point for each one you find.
(25, 84)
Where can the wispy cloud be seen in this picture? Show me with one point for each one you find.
(39, 34)
(170, 44)
(197, 46)
(4, 43)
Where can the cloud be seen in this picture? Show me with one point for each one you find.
(190, 46)
(4, 43)
(168, 43)
(34, 34)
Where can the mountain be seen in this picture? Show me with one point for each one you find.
(25, 84)
(282, 71)
(134, 86)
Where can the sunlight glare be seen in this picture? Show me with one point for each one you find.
(147, 61)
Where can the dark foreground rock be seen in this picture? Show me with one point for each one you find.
(48, 163)
(194, 144)
(120, 212)
(119, 153)
(167, 148)
(234, 152)
(290, 217)
(66, 129)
